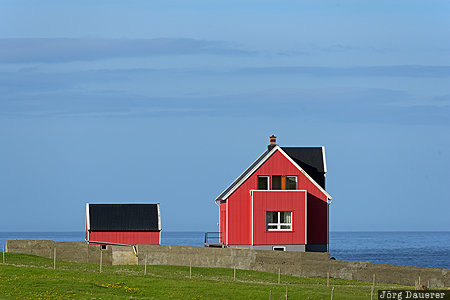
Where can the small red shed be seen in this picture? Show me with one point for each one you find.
(279, 202)
(127, 224)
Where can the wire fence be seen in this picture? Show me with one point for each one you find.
(191, 272)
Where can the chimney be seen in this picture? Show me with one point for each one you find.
(273, 142)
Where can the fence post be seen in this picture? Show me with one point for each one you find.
(328, 279)
(101, 259)
(3, 253)
(190, 269)
(371, 293)
(137, 254)
(234, 274)
(54, 258)
(270, 295)
(332, 292)
(373, 281)
(286, 292)
(279, 271)
(145, 265)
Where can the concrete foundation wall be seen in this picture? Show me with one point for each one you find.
(300, 248)
(308, 264)
(317, 248)
(66, 251)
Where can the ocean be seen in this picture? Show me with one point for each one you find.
(422, 249)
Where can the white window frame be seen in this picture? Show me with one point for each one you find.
(296, 182)
(278, 224)
(268, 182)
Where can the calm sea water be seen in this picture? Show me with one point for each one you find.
(423, 249)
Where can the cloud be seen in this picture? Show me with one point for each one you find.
(132, 93)
(346, 105)
(442, 100)
(31, 79)
(330, 49)
(338, 48)
(291, 53)
(93, 104)
(54, 50)
(363, 71)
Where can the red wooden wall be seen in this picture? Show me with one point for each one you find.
(317, 220)
(239, 203)
(126, 237)
(279, 201)
(223, 222)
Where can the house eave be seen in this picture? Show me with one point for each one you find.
(269, 154)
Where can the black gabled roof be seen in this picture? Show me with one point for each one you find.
(124, 217)
(311, 160)
(307, 157)
(243, 174)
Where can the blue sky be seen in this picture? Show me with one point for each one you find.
(169, 101)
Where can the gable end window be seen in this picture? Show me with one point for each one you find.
(291, 182)
(278, 220)
(263, 183)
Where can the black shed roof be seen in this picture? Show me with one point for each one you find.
(123, 217)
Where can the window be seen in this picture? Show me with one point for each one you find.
(279, 220)
(291, 182)
(276, 182)
(263, 183)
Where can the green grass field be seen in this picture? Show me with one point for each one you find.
(32, 277)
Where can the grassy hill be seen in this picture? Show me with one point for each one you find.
(32, 277)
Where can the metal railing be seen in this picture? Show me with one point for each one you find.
(213, 238)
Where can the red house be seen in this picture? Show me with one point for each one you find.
(279, 202)
(127, 224)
